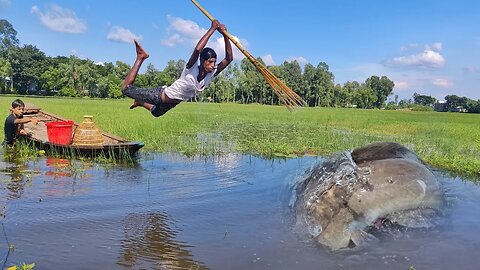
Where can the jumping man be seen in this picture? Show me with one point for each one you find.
(193, 80)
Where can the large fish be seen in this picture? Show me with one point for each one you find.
(341, 198)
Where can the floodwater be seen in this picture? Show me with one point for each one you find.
(174, 212)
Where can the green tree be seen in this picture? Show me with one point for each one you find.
(5, 75)
(292, 77)
(308, 88)
(454, 101)
(51, 80)
(109, 86)
(381, 87)
(341, 96)
(325, 85)
(404, 103)
(365, 98)
(121, 69)
(28, 64)
(250, 80)
(423, 100)
(222, 88)
(87, 77)
(69, 76)
(172, 71)
(8, 35)
(349, 88)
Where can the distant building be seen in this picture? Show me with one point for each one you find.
(459, 109)
(440, 106)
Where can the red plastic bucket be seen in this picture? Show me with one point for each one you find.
(60, 132)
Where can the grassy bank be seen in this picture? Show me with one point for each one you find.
(446, 140)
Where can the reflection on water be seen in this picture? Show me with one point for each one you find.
(151, 237)
(59, 167)
(173, 212)
(16, 175)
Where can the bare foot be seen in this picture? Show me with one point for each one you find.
(141, 53)
(134, 105)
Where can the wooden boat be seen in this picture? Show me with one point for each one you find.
(113, 146)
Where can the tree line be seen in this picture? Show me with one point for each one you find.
(27, 70)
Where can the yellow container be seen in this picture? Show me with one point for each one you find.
(87, 133)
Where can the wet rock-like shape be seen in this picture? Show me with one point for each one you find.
(344, 196)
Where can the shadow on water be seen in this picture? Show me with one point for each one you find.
(173, 212)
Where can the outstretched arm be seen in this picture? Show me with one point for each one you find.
(201, 44)
(21, 121)
(228, 51)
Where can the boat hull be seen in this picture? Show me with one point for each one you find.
(113, 147)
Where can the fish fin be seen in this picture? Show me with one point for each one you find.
(360, 237)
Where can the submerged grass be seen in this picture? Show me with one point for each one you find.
(446, 140)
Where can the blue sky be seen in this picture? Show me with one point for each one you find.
(431, 47)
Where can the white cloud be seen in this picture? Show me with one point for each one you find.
(441, 82)
(430, 57)
(182, 31)
(172, 40)
(401, 85)
(219, 47)
(300, 60)
(121, 34)
(187, 28)
(60, 19)
(268, 60)
(437, 46)
(427, 58)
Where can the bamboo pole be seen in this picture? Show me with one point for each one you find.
(286, 95)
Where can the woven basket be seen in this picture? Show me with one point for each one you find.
(87, 133)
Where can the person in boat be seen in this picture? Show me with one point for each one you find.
(14, 123)
(193, 80)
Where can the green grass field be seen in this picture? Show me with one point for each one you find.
(449, 141)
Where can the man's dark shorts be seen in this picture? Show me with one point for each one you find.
(149, 95)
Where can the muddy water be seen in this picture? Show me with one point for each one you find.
(171, 212)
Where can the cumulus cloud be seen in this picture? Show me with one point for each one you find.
(441, 82)
(181, 31)
(60, 19)
(437, 46)
(427, 58)
(187, 28)
(300, 60)
(430, 57)
(120, 34)
(172, 40)
(268, 60)
(219, 47)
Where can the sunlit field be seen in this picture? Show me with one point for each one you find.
(449, 141)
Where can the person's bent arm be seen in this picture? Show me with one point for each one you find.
(25, 120)
(228, 51)
(201, 44)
